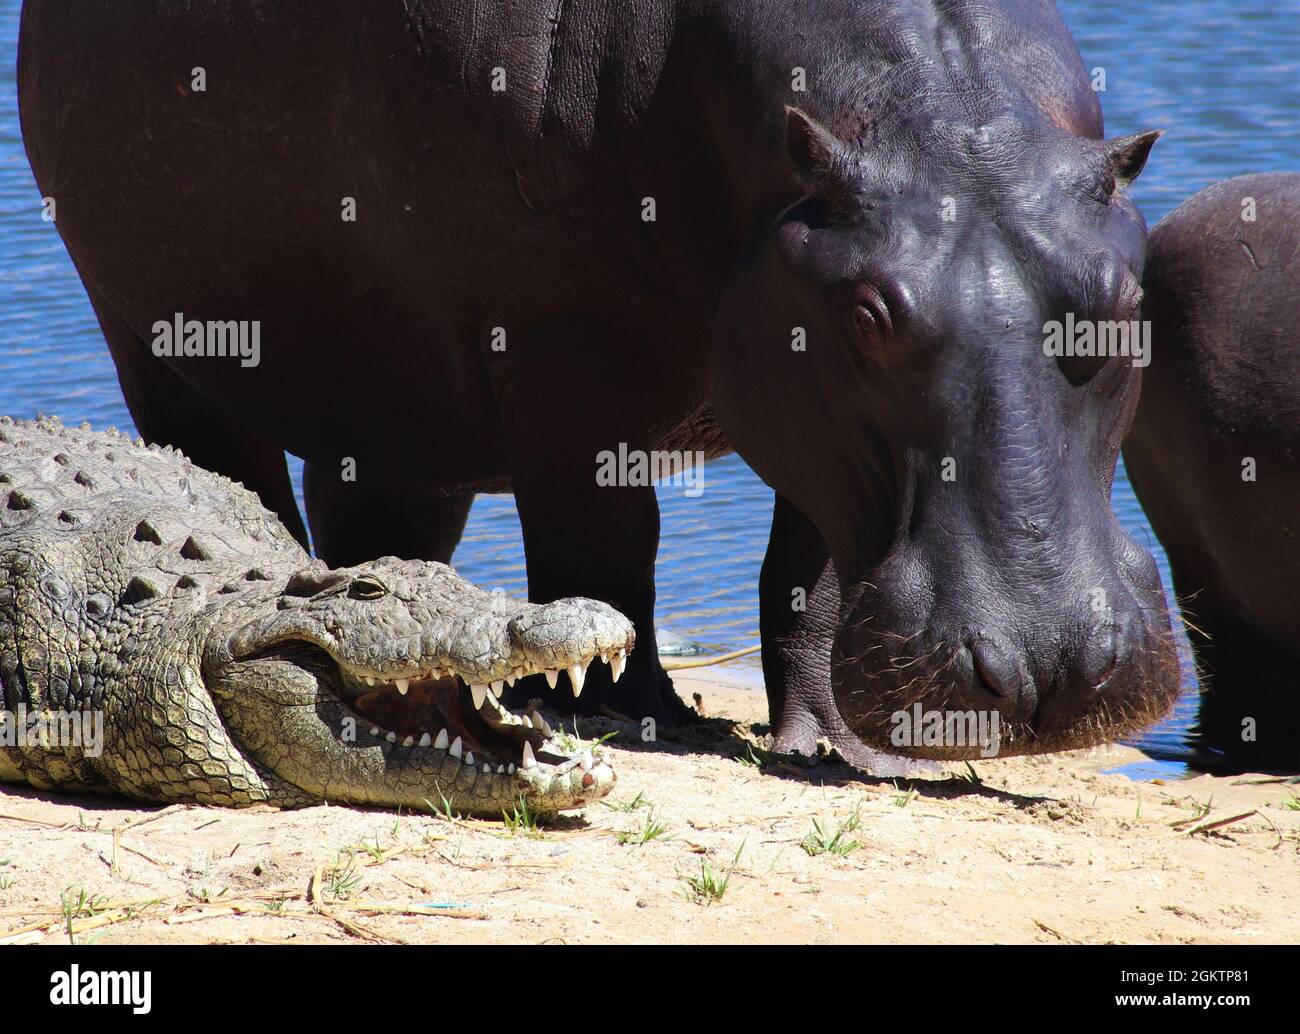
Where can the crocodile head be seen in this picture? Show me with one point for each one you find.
(166, 604)
(380, 684)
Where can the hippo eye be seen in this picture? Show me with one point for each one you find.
(871, 314)
(367, 587)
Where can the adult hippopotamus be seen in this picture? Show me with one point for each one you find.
(1214, 453)
(485, 245)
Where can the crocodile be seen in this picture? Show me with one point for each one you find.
(163, 636)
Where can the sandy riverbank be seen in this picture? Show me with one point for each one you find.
(1041, 850)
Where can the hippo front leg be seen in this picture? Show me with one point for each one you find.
(582, 536)
(799, 610)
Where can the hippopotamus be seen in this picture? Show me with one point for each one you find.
(475, 248)
(1214, 453)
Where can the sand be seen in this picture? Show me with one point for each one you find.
(1045, 850)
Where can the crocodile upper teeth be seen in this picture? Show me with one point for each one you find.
(479, 693)
(577, 674)
(616, 664)
(552, 676)
(403, 685)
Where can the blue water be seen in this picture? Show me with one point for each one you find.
(1221, 76)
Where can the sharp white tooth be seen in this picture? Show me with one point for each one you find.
(510, 769)
(391, 737)
(425, 740)
(455, 748)
(529, 761)
(479, 693)
(616, 664)
(527, 722)
(487, 768)
(409, 741)
(510, 679)
(374, 730)
(369, 681)
(585, 761)
(403, 685)
(498, 686)
(604, 657)
(469, 758)
(441, 742)
(552, 677)
(501, 769)
(577, 673)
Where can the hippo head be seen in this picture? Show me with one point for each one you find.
(884, 359)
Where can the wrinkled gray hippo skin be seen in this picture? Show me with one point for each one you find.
(1214, 454)
(938, 190)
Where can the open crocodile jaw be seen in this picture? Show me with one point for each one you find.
(440, 710)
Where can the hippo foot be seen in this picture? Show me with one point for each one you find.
(803, 734)
(800, 732)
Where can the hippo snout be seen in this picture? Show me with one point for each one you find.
(991, 672)
(1044, 672)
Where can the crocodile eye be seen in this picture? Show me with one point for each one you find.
(367, 587)
(98, 606)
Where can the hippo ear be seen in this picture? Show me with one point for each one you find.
(811, 146)
(1127, 154)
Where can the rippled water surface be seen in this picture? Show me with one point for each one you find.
(1221, 76)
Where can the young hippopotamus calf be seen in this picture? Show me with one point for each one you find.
(1214, 453)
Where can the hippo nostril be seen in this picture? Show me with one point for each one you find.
(995, 668)
(1107, 672)
(998, 671)
(988, 676)
(1084, 677)
(1099, 660)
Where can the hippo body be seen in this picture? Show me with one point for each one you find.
(1214, 453)
(486, 243)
